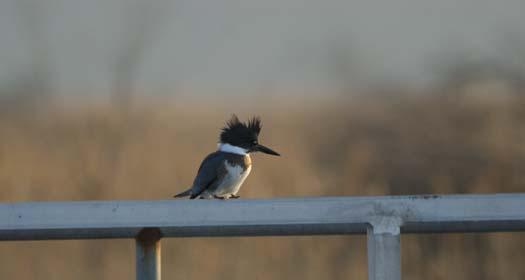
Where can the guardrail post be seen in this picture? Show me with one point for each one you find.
(384, 257)
(148, 254)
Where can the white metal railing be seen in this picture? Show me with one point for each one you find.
(382, 218)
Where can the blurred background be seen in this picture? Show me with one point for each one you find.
(122, 99)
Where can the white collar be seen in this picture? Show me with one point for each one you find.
(228, 148)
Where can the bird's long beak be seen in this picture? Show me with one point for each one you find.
(266, 150)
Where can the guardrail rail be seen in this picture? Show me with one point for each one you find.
(382, 218)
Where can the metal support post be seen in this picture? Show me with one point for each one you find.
(148, 254)
(384, 258)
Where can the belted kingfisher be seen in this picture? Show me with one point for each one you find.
(222, 173)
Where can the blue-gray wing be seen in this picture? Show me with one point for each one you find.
(210, 172)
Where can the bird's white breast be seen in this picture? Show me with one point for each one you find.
(233, 180)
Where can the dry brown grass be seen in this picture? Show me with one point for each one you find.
(346, 146)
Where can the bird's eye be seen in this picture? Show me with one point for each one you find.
(254, 142)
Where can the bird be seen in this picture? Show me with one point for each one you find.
(222, 173)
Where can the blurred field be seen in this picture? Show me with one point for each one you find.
(408, 144)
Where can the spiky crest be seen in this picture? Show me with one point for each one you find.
(236, 132)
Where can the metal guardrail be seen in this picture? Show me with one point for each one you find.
(382, 218)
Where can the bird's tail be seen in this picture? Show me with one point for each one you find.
(184, 193)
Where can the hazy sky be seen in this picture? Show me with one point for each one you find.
(227, 44)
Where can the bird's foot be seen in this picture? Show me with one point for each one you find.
(234, 196)
(220, 197)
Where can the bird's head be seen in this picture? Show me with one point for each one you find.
(239, 137)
